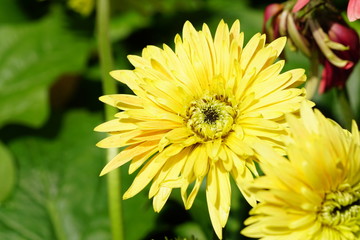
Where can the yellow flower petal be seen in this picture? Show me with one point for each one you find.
(190, 200)
(236, 145)
(278, 45)
(147, 173)
(126, 155)
(118, 140)
(211, 197)
(170, 172)
(160, 198)
(122, 101)
(115, 125)
(224, 195)
(139, 160)
(256, 43)
(201, 164)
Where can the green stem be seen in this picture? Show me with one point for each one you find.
(109, 87)
(56, 220)
(114, 199)
(312, 82)
(345, 107)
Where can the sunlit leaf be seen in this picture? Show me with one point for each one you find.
(124, 24)
(60, 194)
(7, 172)
(32, 56)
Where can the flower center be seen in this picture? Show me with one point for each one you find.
(342, 208)
(210, 117)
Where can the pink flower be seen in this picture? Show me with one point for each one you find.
(353, 10)
(271, 20)
(319, 30)
(272, 10)
(333, 76)
(300, 4)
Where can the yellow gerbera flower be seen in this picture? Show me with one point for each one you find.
(198, 111)
(315, 193)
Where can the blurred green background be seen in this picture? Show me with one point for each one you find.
(49, 88)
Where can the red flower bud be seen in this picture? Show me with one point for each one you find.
(333, 76)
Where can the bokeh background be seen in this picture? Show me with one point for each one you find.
(50, 82)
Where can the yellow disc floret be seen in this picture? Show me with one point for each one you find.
(210, 117)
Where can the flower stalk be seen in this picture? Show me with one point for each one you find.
(313, 81)
(109, 87)
(345, 107)
(55, 218)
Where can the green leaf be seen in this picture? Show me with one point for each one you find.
(353, 87)
(191, 230)
(11, 12)
(124, 24)
(32, 56)
(7, 172)
(60, 194)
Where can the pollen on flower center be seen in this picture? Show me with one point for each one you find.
(210, 117)
(341, 207)
(211, 114)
